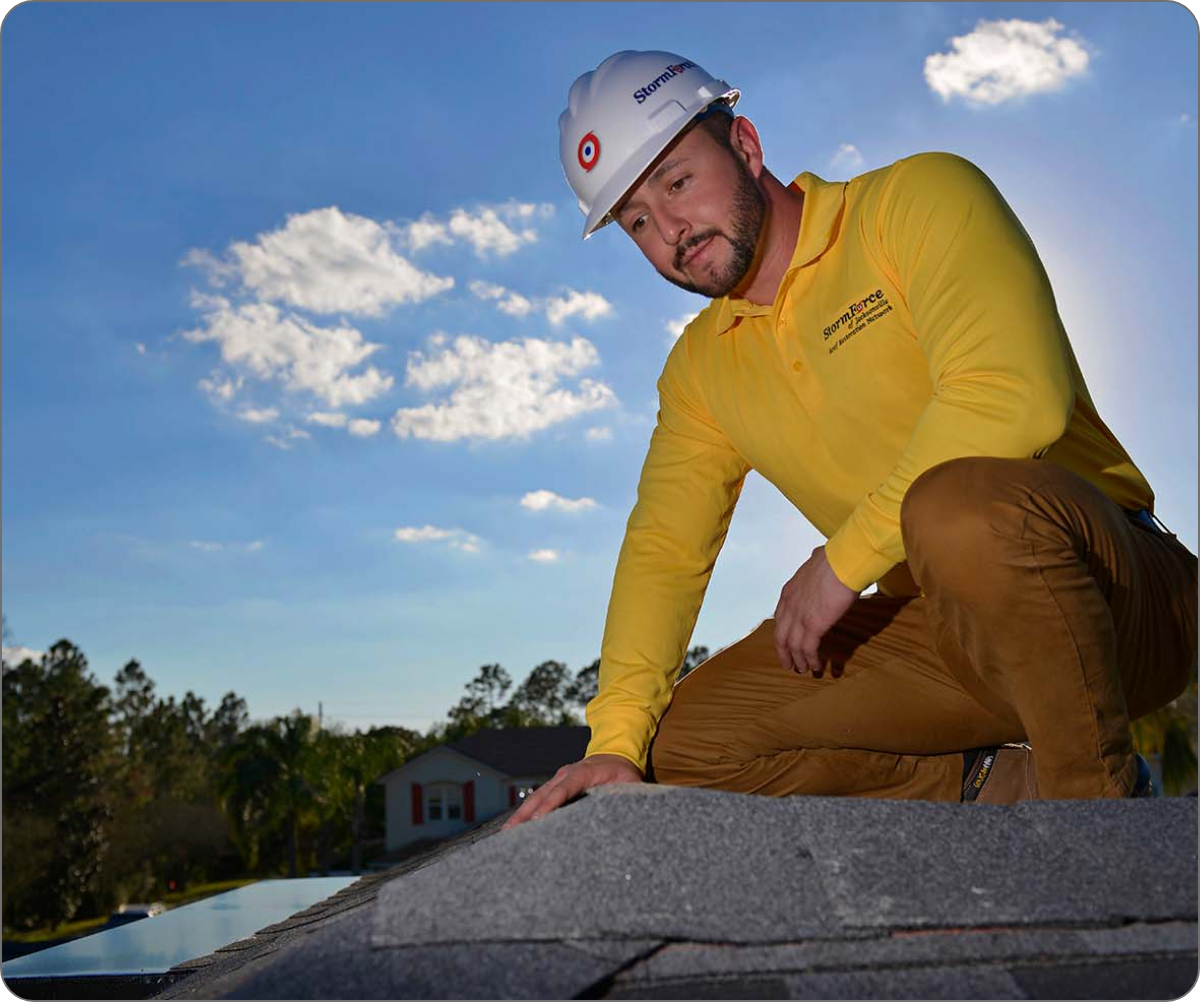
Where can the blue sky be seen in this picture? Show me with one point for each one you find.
(312, 391)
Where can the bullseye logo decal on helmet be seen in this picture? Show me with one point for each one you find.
(589, 151)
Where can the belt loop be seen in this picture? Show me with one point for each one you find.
(1147, 518)
(1164, 528)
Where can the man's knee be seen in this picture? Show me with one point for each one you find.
(957, 513)
(946, 499)
(677, 758)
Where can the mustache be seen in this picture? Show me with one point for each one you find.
(683, 250)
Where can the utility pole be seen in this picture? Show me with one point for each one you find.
(320, 715)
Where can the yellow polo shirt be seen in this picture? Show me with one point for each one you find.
(915, 324)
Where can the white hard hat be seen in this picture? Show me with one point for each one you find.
(622, 115)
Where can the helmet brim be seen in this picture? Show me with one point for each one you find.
(635, 165)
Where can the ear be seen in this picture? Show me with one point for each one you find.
(743, 136)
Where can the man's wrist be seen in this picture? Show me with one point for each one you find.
(615, 758)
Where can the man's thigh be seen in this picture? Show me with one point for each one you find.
(883, 687)
(1017, 554)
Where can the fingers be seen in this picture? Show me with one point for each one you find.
(797, 648)
(546, 798)
(783, 652)
(570, 781)
(529, 806)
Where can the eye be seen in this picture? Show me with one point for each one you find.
(637, 224)
(678, 183)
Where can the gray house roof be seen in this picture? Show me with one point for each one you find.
(515, 752)
(525, 751)
(647, 891)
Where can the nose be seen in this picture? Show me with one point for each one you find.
(673, 227)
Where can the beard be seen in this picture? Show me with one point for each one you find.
(748, 212)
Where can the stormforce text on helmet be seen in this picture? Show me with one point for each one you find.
(674, 70)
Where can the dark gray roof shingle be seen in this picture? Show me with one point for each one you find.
(657, 892)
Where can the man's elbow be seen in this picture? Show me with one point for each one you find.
(1047, 414)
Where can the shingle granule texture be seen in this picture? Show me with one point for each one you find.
(658, 892)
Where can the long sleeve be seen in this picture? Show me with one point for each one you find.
(689, 485)
(986, 322)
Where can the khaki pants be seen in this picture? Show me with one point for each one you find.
(1046, 614)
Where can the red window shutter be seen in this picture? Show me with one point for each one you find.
(418, 804)
(469, 801)
(512, 796)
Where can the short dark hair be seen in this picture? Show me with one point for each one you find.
(717, 124)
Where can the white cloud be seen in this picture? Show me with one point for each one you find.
(139, 347)
(541, 500)
(411, 534)
(544, 556)
(325, 261)
(362, 427)
(676, 327)
(14, 656)
(255, 416)
(486, 231)
(504, 390)
(328, 420)
(271, 344)
(847, 156)
(206, 546)
(515, 305)
(424, 232)
(287, 439)
(457, 539)
(1000, 60)
(1185, 118)
(512, 209)
(599, 435)
(219, 272)
(512, 303)
(499, 229)
(220, 388)
(591, 305)
(486, 290)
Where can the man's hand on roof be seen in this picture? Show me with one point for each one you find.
(810, 603)
(571, 780)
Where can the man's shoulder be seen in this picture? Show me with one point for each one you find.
(698, 335)
(700, 329)
(712, 318)
(935, 169)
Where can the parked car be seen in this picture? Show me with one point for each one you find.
(133, 913)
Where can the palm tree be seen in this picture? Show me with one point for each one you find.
(265, 783)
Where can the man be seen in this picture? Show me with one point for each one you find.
(888, 353)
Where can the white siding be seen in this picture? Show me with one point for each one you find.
(439, 766)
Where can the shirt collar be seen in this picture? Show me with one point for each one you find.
(822, 204)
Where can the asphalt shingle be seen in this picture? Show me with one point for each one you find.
(337, 962)
(658, 892)
(1044, 862)
(609, 866)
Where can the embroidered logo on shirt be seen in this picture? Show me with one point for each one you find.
(856, 317)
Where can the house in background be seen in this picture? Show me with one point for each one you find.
(463, 782)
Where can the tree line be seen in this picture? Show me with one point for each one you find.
(116, 793)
